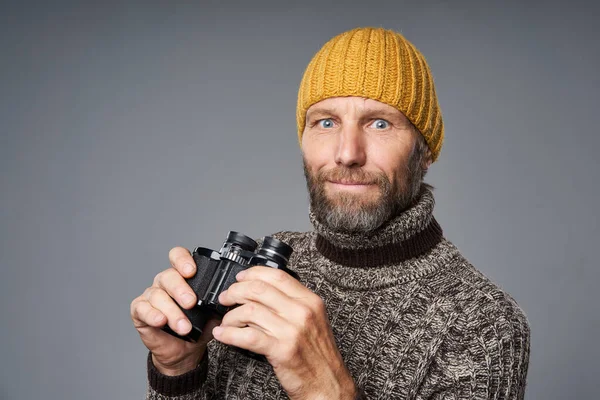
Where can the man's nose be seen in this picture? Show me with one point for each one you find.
(351, 147)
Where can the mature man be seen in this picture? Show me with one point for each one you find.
(386, 307)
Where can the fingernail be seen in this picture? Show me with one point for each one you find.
(183, 325)
(188, 268)
(217, 330)
(187, 298)
(158, 317)
(240, 275)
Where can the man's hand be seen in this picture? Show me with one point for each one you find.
(156, 307)
(287, 323)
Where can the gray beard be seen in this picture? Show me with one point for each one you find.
(343, 215)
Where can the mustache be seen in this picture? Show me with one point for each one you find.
(357, 176)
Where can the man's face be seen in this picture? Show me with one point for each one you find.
(358, 162)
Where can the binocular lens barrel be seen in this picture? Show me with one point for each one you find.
(240, 240)
(276, 250)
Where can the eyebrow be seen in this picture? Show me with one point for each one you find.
(370, 112)
(320, 111)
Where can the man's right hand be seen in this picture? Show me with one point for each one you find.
(155, 307)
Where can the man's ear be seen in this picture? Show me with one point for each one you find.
(427, 159)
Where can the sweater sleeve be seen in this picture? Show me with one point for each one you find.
(182, 387)
(485, 358)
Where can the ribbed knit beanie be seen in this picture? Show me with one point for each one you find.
(378, 64)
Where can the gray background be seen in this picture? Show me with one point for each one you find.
(129, 129)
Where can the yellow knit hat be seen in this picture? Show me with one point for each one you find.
(378, 64)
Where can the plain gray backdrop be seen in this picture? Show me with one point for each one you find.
(131, 128)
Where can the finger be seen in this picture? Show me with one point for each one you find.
(276, 277)
(259, 292)
(147, 320)
(143, 314)
(176, 319)
(246, 338)
(257, 316)
(171, 281)
(182, 260)
(286, 283)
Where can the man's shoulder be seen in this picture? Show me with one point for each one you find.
(482, 302)
(488, 336)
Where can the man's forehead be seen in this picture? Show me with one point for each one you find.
(334, 105)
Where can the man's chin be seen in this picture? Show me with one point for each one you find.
(351, 218)
(359, 197)
(349, 206)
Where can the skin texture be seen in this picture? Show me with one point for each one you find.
(353, 149)
(360, 163)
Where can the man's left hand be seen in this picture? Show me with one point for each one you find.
(280, 318)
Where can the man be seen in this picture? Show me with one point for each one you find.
(386, 307)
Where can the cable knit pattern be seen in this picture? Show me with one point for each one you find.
(427, 327)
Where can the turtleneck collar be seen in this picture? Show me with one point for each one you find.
(410, 234)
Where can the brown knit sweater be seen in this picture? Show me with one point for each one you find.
(413, 319)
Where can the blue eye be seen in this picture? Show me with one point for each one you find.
(326, 123)
(381, 124)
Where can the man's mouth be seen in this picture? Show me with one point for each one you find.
(351, 186)
(347, 182)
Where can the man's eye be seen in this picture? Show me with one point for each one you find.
(326, 123)
(380, 124)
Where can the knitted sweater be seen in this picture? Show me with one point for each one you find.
(412, 318)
